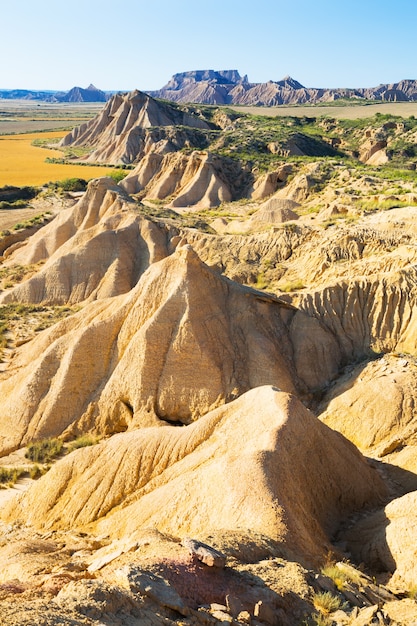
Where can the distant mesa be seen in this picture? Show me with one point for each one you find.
(228, 87)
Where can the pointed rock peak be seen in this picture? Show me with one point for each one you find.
(92, 87)
(188, 253)
(288, 81)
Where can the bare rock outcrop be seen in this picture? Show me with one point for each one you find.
(386, 541)
(228, 87)
(297, 504)
(183, 341)
(368, 314)
(119, 133)
(274, 211)
(373, 405)
(268, 183)
(96, 249)
(200, 180)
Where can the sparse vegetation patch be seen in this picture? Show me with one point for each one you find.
(44, 451)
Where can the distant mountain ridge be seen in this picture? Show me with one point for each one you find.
(76, 94)
(228, 87)
(222, 87)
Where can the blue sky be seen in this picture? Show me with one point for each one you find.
(127, 44)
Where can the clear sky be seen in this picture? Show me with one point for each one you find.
(128, 44)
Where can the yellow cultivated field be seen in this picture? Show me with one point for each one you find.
(23, 164)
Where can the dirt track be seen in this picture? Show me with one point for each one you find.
(10, 217)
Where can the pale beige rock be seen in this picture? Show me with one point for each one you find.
(274, 211)
(374, 405)
(386, 541)
(29, 559)
(377, 313)
(299, 188)
(373, 152)
(94, 250)
(118, 133)
(402, 611)
(268, 183)
(182, 342)
(139, 479)
(197, 180)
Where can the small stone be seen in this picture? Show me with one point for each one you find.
(365, 616)
(222, 616)
(244, 617)
(204, 553)
(264, 612)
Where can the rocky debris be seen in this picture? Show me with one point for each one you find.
(169, 361)
(356, 587)
(153, 586)
(204, 553)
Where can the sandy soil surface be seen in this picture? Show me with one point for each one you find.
(10, 217)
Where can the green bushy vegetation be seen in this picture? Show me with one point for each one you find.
(69, 184)
(9, 476)
(118, 175)
(326, 602)
(262, 142)
(9, 193)
(47, 450)
(82, 441)
(44, 451)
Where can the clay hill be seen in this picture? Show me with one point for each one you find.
(208, 377)
(228, 87)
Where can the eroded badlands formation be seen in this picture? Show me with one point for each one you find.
(276, 426)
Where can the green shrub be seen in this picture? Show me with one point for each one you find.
(293, 285)
(82, 442)
(36, 471)
(9, 475)
(336, 575)
(118, 175)
(325, 602)
(11, 194)
(72, 184)
(44, 451)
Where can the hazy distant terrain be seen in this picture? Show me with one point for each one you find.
(24, 116)
(347, 111)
